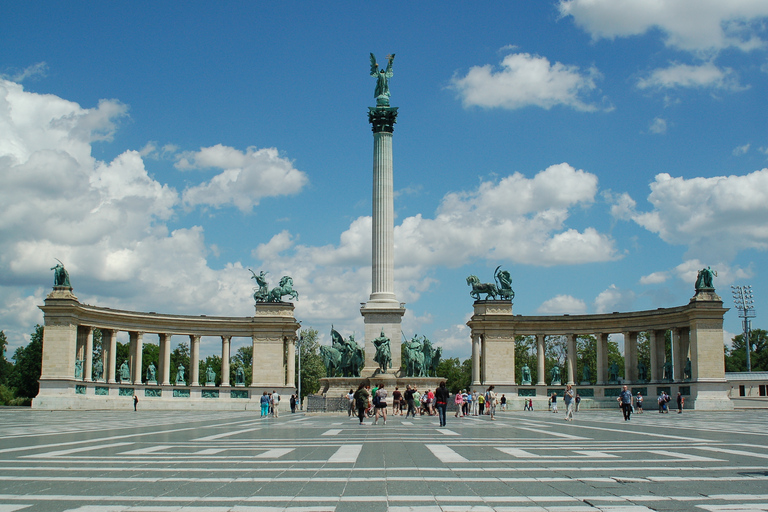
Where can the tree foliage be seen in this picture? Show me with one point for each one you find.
(312, 367)
(180, 356)
(457, 375)
(28, 362)
(243, 358)
(736, 354)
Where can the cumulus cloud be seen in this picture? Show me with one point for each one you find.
(527, 80)
(706, 75)
(563, 305)
(37, 70)
(658, 126)
(741, 150)
(717, 216)
(691, 25)
(246, 177)
(614, 299)
(655, 278)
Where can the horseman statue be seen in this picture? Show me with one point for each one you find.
(344, 357)
(502, 288)
(421, 358)
(264, 294)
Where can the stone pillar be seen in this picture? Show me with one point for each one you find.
(165, 359)
(681, 354)
(225, 348)
(88, 364)
(570, 358)
(476, 340)
(676, 367)
(540, 370)
(137, 346)
(630, 357)
(194, 359)
(290, 374)
(601, 366)
(657, 345)
(110, 364)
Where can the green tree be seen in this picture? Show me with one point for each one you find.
(214, 362)
(28, 362)
(586, 347)
(150, 353)
(312, 367)
(243, 358)
(122, 353)
(456, 375)
(525, 354)
(644, 351)
(5, 366)
(736, 355)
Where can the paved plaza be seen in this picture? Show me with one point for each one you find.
(201, 461)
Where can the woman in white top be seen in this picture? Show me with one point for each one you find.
(381, 405)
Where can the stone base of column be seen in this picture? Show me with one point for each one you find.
(380, 317)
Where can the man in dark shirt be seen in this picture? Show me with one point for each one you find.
(625, 401)
(408, 395)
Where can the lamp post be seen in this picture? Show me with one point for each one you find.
(298, 346)
(744, 302)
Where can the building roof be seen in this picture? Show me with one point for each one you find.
(733, 376)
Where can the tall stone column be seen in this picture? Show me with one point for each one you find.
(88, 364)
(540, 358)
(110, 365)
(570, 358)
(681, 355)
(657, 342)
(476, 353)
(676, 367)
(194, 359)
(383, 312)
(630, 357)
(225, 349)
(165, 359)
(601, 365)
(137, 346)
(290, 349)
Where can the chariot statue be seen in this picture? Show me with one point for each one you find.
(60, 275)
(264, 294)
(502, 288)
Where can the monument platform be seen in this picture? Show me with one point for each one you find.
(338, 386)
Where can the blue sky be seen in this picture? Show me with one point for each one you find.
(602, 151)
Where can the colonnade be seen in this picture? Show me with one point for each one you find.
(135, 357)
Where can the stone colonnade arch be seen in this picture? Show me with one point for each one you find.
(67, 379)
(697, 334)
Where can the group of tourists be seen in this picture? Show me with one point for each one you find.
(478, 404)
(270, 404)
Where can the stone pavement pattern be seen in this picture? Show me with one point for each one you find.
(119, 461)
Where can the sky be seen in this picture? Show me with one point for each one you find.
(602, 151)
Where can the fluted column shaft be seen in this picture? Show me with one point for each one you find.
(476, 360)
(540, 359)
(225, 349)
(165, 359)
(88, 365)
(194, 359)
(383, 264)
(570, 358)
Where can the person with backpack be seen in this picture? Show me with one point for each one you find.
(361, 401)
(380, 404)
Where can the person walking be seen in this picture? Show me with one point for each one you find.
(351, 406)
(408, 395)
(459, 401)
(554, 402)
(275, 403)
(380, 404)
(530, 404)
(525, 404)
(293, 404)
(396, 397)
(570, 403)
(639, 403)
(135, 402)
(264, 402)
(481, 404)
(578, 401)
(625, 402)
(441, 402)
(361, 401)
(491, 402)
(475, 402)
(503, 402)
(680, 402)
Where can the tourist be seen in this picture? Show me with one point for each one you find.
(441, 402)
(578, 401)
(466, 397)
(490, 402)
(530, 404)
(625, 402)
(680, 402)
(431, 402)
(553, 399)
(460, 402)
(380, 404)
(549, 403)
(135, 402)
(397, 396)
(570, 402)
(361, 401)
(351, 398)
(416, 401)
(639, 403)
(503, 402)
(481, 403)
(525, 405)
(293, 404)
(408, 395)
(475, 402)
(661, 402)
(271, 409)
(264, 405)
(275, 403)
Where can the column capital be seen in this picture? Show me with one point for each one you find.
(382, 119)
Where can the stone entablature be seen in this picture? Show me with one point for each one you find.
(697, 335)
(68, 350)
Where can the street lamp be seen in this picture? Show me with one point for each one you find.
(298, 346)
(744, 302)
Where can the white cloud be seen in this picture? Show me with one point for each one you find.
(527, 80)
(246, 177)
(614, 299)
(658, 126)
(37, 70)
(741, 150)
(705, 75)
(563, 305)
(655, 278)
(691, 25)
(716, 217)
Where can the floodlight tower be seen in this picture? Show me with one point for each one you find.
(744, 302)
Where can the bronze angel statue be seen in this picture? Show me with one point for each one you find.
(382, 80)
